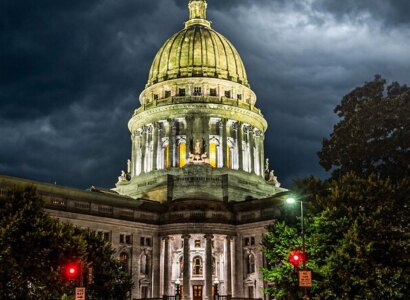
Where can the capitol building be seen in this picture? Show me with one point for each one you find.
(193, 201)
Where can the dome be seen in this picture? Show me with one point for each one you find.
(197, 51)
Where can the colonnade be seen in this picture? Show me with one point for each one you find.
(209, 272)
(170, 143)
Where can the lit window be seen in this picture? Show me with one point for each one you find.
(182, 154)
(212, 155)
(124, 261)
(197, 243)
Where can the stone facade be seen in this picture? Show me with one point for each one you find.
(197, 194)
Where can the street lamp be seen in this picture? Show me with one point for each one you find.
(177, 285)
(216, 294)
(292, 200)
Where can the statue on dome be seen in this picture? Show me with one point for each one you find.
(272, 179)
(122, 177)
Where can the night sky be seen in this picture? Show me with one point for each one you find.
(71, 73)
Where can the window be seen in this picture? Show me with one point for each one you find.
(125, 239)
(246, 241)
(182, 154)
(197, 243)
(105, 235)
(239, 96)
(181, 92)
(228, 94)
(212, 92)
(145, 241)
(197, 91)
(252, 241)
(250, 292)
(212, 154)
(155, 96)
(144, 292)
(167, 94)
(250, 264)
(197, 266)
(124, 261)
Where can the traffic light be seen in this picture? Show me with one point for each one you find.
(296, 257)
(71, 271)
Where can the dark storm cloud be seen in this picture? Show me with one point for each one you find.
(71, 72)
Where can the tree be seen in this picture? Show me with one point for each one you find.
(277, 243)
(34, 247)
(373, 134)
(358, 244)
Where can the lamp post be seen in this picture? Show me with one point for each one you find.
(216, 294)
(177, 286)
(292, 200)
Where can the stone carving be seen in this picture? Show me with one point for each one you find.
(198, 156)
(273, 179)
(129, 166)
(122, 177)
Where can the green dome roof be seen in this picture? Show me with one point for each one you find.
(197, 51)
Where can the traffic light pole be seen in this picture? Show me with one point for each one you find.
(303, 243)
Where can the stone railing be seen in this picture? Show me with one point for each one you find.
(197, 99)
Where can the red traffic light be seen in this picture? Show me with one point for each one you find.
(72, 271)
(296, 257)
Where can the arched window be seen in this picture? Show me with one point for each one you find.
(251, 263)
(197, 266)
(124, 261)
(144, 264)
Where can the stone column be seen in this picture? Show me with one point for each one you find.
(224, 137)
(252, 150)
(154, 145)
(167, 264)
(156, 250)
(189, 134)
(138, 155)
(238, 292)
(262, 154)
(171, 141)
(208, 266)
(187, 268)
(205, 133)
(133, 154)
(143, 147)
(239, 136)
(228, 266)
